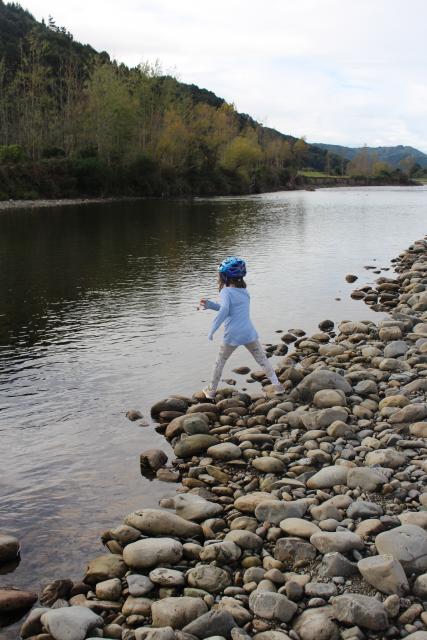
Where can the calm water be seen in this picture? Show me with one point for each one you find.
(97, 315)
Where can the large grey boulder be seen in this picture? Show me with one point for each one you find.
(340, 541)
(363, 611)
(316, 624)
(157, 522)
(270, 605)
(151, 552)
(105, 567)
(407, 544)
(213, 623)
(177, 612)
(395, 349)
(209, 578)
(385, 458)
(410, 413)
(384, 573)
(222, 552)
(70, 623)
(193, 445)
(328, 477)
(321, 379)
(366, 478)
(32, 625)
(192, 507)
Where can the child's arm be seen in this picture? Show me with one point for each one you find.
(224, 310)
(209, 304)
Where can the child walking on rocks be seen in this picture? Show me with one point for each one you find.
(233, 311)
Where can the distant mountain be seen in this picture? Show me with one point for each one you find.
(392, 155)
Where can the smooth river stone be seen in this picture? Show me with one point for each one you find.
(244, 539)
(385, 458)
(221, 552)
(177, 612)
(209, 578)
(167, 577)
(384, 573)
(157, 522)
(248, 502)
(213, 624)
(150, 552)
(70, 623)
(341, 541)
(298, 527)
(366, 478)
(139, 585)
(411, 413)
(316, 624)
(192, 445)
(407, 544)
(12, 599)
(328, 477)
(9, 548)
(224, 451)
(321, 379)
(270, 605)
(268, 464)
(105, 567)
(148, 633)
(271, 511)
(360, 610)
(192, 507)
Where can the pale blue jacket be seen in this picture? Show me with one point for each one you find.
(233, 311)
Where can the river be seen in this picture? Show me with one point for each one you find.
(98, 315)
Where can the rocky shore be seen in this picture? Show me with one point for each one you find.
(6, 205)
(301, 517)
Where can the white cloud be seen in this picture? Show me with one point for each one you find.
(341, 72)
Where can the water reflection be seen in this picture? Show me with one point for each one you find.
(97, 315)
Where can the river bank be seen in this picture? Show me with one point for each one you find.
(297, 517)
(309, 184)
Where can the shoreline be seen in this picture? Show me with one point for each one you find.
(310, 185)
(296, 518)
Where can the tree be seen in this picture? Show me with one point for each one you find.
(380, 168)
(407, 165)
(361, 164)
(242, 154)
(300, 152)
(109, 115)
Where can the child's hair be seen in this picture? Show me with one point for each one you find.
(224, 281)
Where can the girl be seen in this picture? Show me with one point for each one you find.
(233, 310)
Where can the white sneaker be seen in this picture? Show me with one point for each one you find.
(209, 393)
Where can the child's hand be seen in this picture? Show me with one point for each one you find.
(202, 303)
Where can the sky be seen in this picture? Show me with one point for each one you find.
(335, 71)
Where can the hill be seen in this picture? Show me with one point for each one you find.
(392, 155)
(73, 122)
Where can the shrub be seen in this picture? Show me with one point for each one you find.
(11, 154)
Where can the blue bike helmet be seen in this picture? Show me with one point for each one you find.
(233, 267)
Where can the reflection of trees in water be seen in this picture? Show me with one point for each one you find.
(51, 259)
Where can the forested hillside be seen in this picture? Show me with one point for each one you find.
(73, 122)
(394, 156)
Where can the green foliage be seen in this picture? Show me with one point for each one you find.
(11, 154)
(242, 154)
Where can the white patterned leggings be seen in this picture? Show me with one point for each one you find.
(257, 352)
